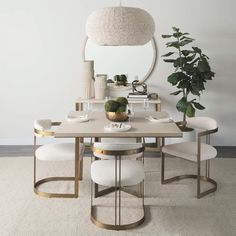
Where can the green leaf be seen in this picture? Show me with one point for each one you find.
(198, 106)
(168, 54)
(184, 84)
(179, 62)
(164, 36)
(197, 85)
(209, 75)
(190, 111)
(175, 29)
(194, 92)
(174, 44)
(205, 56)
(182, 105)
(169, 60)
(197, 50)
(186, 52)
(177, 92)
(185, 42)
(188, 38)
(188, 68)
(203, 65)
(174, 78)
(177, 35)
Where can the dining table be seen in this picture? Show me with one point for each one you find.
(141, 125)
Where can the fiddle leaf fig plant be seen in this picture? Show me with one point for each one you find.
(191, 72)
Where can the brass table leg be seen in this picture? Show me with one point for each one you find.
(79, 107)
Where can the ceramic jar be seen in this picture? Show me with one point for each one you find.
(100, 86)
(87, 79)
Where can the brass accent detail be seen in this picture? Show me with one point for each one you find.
(115, 227)
(204, 178)
(198, 176)
(117, 116)
(54, 195)
(44, 133)
(118, 152)
(47, 133)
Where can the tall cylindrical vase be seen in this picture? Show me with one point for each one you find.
(100, 86)
(87, 78)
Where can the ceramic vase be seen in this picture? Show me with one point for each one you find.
(100, 86)
(87, 79)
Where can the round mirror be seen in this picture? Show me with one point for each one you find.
(136, 62)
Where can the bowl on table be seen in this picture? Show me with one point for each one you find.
(117, 116)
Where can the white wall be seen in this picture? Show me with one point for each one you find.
(40, 59)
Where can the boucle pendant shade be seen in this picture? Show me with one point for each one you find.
(116, 26)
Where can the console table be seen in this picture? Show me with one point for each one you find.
(80, 102)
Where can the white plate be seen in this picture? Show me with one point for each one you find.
(78, 118)
(117, 127)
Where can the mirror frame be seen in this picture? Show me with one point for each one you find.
(154, 59)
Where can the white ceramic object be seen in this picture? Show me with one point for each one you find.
(120, 26)
(86, 80)
(117, 127)
(100, 86)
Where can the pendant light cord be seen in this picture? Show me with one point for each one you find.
(120, 3)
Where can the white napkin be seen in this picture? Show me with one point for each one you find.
(160, 120)
(81, 118)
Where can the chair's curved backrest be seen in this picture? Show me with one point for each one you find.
(45, 124)
(42, 127)
(120, 149)
(204, 123)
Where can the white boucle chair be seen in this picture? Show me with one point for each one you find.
(195, 152)
(113, 171)
(54, 152)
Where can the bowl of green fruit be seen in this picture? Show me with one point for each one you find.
(116, 109)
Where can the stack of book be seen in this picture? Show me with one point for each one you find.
(137, 96)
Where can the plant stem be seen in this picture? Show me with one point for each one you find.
(184, 92)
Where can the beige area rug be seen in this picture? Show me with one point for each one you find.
(171, 209)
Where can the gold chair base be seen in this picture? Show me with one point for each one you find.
(204, 178)
(54, 195)
(99, 193)
(115, 227)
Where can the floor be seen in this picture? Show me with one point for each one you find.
(171, 209)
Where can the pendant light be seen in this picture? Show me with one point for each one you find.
(117, 26)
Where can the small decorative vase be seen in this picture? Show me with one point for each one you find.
(87, 78)
(100, 86)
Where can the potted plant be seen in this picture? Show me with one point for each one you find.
(192, 71)
(116, 109)
(121, 80)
